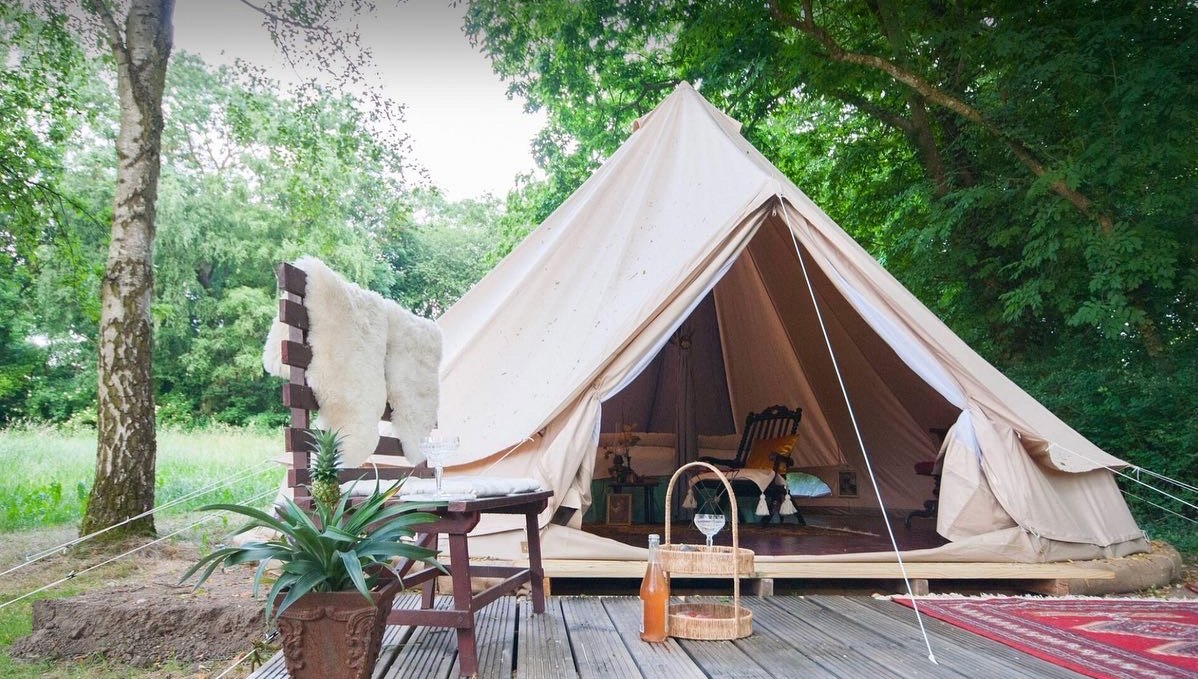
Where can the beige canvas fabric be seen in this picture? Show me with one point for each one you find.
(684, 208)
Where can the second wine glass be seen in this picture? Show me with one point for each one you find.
(709, 525)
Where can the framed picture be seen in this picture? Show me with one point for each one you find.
(619, 509)
(846, 483)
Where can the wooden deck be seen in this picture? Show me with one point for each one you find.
(812, 637)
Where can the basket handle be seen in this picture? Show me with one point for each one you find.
(735, 521)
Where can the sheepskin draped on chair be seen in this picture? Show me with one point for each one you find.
(367, 351)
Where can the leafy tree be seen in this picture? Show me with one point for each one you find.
(1027, 111)
(251, 178)
(126, 443)
(124, 484)
(1026, 169)
(38, 81)
(447, 248)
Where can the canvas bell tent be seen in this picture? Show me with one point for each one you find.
(688, 232)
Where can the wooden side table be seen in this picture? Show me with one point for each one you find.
(455, 521)
(647, 486)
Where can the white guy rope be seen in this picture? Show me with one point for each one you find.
(38, 556)
(857, 431)
(1180, 484)
(235, 664)
(1162, 508)
(74, 574)
(265, 640)
(1135, 479)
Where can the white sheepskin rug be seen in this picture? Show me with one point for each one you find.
(366, 351)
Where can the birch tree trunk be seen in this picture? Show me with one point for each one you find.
(126, 446)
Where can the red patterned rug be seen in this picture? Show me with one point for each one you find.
(1134, 638)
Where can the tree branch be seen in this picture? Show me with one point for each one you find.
(887, 117)
(283, 19)
(115, 40)
(319, 34)
(931, 93)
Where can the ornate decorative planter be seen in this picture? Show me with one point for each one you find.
(335, 635)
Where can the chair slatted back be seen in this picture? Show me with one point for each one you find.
(300, 400)
(773, 422)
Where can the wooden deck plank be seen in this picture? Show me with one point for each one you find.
(494, 630)
(395, 635)
(429, 652)
(724, 660)
(771, 650)
(839, 654)
(271, 669)
(667, 660)
(894, 652)
(967, 659)
(951, 636)
(542, 644)
(598, 650)
(818, 637)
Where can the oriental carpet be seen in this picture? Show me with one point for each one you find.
(1134, 638)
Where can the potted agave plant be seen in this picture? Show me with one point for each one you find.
(330, 575)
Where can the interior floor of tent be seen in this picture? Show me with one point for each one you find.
(822, 534)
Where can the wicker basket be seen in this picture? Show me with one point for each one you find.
(708, 621)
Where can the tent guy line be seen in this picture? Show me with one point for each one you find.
(228, 480)
(74, 574)
(1136, 479)
(781, 207)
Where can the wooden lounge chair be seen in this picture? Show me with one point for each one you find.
(774, 422)
(455, 520)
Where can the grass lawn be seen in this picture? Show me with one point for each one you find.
(48, 473)
(42, 493)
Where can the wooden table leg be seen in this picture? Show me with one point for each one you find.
(428, 589)
(536, 572)
(459, 556)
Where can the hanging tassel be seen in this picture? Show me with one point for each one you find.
(688, 502)
(788, 507)
(763, 509)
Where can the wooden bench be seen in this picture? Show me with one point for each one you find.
(455, 520)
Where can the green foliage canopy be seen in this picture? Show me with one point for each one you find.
(250, 177)
(1028, 170)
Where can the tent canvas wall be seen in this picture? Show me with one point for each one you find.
(687, 210)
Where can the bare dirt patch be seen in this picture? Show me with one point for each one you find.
(145, 618)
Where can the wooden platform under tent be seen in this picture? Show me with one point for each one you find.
(821, 637)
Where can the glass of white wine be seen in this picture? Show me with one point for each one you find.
(709, 525)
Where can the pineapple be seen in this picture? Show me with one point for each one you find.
(324, 486)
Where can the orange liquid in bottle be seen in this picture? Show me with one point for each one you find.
(655, 596)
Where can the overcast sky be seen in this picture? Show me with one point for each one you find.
(464, 129)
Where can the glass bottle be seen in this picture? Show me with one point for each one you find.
(655, 596)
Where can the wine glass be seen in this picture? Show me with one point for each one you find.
(709, 525)
(437, 449)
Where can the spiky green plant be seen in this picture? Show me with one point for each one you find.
(326, 461)
(341, 549)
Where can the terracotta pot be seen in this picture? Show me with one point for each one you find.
(336, 635)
